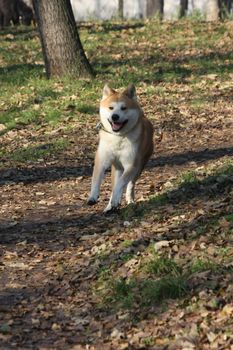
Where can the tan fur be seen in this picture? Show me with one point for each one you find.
(126, 143)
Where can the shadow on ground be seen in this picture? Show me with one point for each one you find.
(174, 70)
(23, 72)
(106, 27)
(58, 229)
(54, 173)
(12, 34)
(42, 174)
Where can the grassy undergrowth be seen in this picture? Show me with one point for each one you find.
(191, 185)
(120, 53)
(35, 153)
(162, 274)
(166, 259)
(166, 279)
(177, 66)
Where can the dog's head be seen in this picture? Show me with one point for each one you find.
(119, 111)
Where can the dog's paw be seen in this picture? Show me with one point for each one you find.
(110, 210)
(91, 201)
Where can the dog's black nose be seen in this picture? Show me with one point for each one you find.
(115, 117)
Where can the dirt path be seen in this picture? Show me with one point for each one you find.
(52, 245)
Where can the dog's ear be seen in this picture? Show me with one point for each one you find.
(131, 92)
(107, 91)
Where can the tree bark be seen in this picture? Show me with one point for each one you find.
(155, 7)
(225, 7)
(183, 7)
(62, 49)
(121, 9)
(212, 10)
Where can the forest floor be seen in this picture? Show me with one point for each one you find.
(157, 274)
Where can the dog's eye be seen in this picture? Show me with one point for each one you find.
(123, 108)
(110, 107)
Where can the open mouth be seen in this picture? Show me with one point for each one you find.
(116, 126)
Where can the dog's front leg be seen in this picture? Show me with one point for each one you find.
(116, 175)
(116, 196)
(97, 178)
(130, 192)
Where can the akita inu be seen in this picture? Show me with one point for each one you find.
(125, 144)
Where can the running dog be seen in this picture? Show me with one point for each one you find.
(125, 144)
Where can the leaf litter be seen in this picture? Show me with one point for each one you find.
(72, 278)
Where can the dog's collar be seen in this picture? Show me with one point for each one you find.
(99, 126)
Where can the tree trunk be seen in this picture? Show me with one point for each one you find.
(155, 8)
(225, 7)
(183, 7)
(121, 9)
(61, 45)
(212, 10)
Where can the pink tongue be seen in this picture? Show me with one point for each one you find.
(116, 126)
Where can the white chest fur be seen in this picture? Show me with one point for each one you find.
(118, 150)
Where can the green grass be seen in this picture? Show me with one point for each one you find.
(53, 116)
(201, 265)
(131, 211)
(154, 56)
(5, 328)
(126, 293)
(163, 279)
(34, 153)
(187, 186)
(87, 109)
(201, 230)
(171, 283)
(148, 341)
(159, 199)
(196, 16)
(189, 177)
(103, 274)
(127, 257)
(229, 218)
(183, 75)
(168, 287)
(161, 265)
(127, 243)
(225, 170)
(22, 68)
(122, 293)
